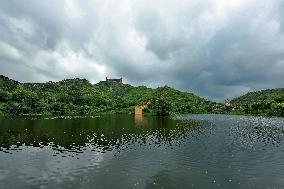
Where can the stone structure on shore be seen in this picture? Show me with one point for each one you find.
(139, 108)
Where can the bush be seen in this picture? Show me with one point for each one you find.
(1, 109)
(4, 96)
(59, 108)
(160, 107)
(278, 109)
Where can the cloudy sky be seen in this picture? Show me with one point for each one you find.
(215, 48)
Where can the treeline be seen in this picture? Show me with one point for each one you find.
(168, 101)
(268, 102)
(80, 97)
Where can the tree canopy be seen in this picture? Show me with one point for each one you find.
(80, 97)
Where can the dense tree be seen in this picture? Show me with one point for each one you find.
(266, 102)
(4, 96)
(79, 96)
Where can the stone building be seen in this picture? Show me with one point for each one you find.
(114, 81)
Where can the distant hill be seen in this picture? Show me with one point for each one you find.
(276, 95)
(80, 97)
(268, 102)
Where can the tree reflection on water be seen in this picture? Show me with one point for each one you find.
(101, 134)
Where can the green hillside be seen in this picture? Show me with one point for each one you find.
(276, 95)
(80, 97)
(268, 102)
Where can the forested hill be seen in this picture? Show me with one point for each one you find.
(268, 102)
(276, 95)
(80, 97)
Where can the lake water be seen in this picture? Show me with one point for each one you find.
(123, 151)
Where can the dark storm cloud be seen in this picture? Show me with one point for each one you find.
(216, 48)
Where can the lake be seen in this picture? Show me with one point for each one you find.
(123, 151)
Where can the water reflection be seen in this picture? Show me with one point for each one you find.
(140, 120)
(100, 134)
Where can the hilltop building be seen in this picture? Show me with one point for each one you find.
(113, 81)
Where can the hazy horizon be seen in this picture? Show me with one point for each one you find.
(216, 49)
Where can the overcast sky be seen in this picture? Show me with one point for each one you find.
(215, 48)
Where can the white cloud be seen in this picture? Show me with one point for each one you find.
(72, 9)
(21, 25)
(65, 63)
(9, 52)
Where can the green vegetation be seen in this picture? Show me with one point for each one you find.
(167, 101)
(268, 102)
(80, 97)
